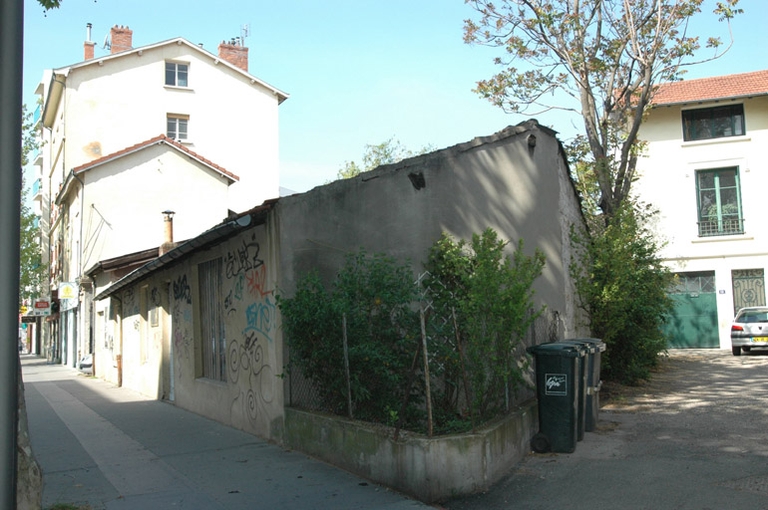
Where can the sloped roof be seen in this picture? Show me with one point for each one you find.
(709, 89)
(158, 140)
(281, 96)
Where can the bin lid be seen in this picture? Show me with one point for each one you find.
(588, 346)
(564, 350)
(599, 344)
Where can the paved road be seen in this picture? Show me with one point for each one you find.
(112, 449)
(696, 437)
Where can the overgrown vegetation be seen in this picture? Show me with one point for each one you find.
(623, 284)
(478, 309)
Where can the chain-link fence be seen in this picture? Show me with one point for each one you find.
(437, 393)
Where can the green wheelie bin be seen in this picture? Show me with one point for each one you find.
(593, 382)
(558, 381)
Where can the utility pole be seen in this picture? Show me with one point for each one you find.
(11, 65)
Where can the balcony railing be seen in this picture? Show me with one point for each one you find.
(723, 227)
(36, 114)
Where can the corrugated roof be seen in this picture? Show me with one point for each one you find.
(710, 89)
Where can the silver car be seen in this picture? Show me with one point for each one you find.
(749, 329)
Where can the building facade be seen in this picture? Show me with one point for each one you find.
(705, 171)
(136, 132)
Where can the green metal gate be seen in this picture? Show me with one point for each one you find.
(693, 323)
(748, 288)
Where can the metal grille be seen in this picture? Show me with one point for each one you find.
(725, 227)
(211, 320)
(748, 288)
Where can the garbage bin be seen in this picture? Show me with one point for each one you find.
(593, 381)
(582, 395)
(557, 389)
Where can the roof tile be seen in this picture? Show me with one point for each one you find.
(708, 89)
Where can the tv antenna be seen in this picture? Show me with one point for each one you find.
(107, 43)
(245, 31)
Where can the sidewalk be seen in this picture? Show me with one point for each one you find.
(111, 448)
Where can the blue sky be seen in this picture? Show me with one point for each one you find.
(358, 71)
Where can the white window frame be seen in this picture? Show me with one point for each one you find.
(176, 121)
(179, 69)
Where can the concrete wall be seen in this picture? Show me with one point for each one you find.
(499, 181)
(667, 180)
(430, 469)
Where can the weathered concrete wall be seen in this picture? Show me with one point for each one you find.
(430, 469)
(250, 395)
(515, 182)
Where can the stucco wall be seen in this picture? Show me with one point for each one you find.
(251, 398)
(500, 181)
(667, 180)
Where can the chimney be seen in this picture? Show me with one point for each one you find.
(121, 39)
(88, 46)
(168, 243)
(234, 53)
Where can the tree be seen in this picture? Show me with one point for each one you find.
(603, 58)
(31, 270)
(389, 151)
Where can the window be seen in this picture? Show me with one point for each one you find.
(719, 202)
(719, 122)
(177, 127)
(211, 279)
(176, 74)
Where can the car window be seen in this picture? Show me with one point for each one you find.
(750, 317)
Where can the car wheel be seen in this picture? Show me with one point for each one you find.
(736, 351)
(746, 349)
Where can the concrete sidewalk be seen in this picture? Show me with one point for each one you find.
(111, 448)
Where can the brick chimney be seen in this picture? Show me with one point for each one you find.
(88, 45)
(121, 39)
(168, 243)
(234, 53)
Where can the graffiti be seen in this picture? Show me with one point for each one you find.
(182, 345)
(155, 296)
(181, 291)
(248, 360)
(239, 285)
(243, 258)
(129, 301)
(257, 281)
(260, 318)
(229, 305)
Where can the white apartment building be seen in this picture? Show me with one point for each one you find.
(706, 171)
(127, 136)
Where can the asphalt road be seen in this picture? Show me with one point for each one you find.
(692, 438)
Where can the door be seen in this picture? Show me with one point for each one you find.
(748, 288)
(693, 323)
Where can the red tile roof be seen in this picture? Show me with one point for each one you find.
(707, 89)
(152, 141)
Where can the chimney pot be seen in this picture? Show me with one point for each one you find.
(234, 54)
(168, 243)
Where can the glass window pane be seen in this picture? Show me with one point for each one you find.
(170, 73)
(182, 129)
(706, 180)
(171, 127)
(182, 75)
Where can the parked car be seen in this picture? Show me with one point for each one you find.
(749, 329)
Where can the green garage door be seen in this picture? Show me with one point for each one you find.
(693, 324)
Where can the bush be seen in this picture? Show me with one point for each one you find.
(623, 284)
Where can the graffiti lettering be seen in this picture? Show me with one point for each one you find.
(243, 258)
(229, 305)
(260, 317)
(181, 291)
(257, 280)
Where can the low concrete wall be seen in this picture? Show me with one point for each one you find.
(430, 469)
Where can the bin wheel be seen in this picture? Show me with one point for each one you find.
(540, 443)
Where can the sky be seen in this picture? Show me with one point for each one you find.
(358, 71)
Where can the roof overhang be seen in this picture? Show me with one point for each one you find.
(256, 216)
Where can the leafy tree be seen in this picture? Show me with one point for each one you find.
(389, 151)
(602, 59)
(31, 270)
(622, 283)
